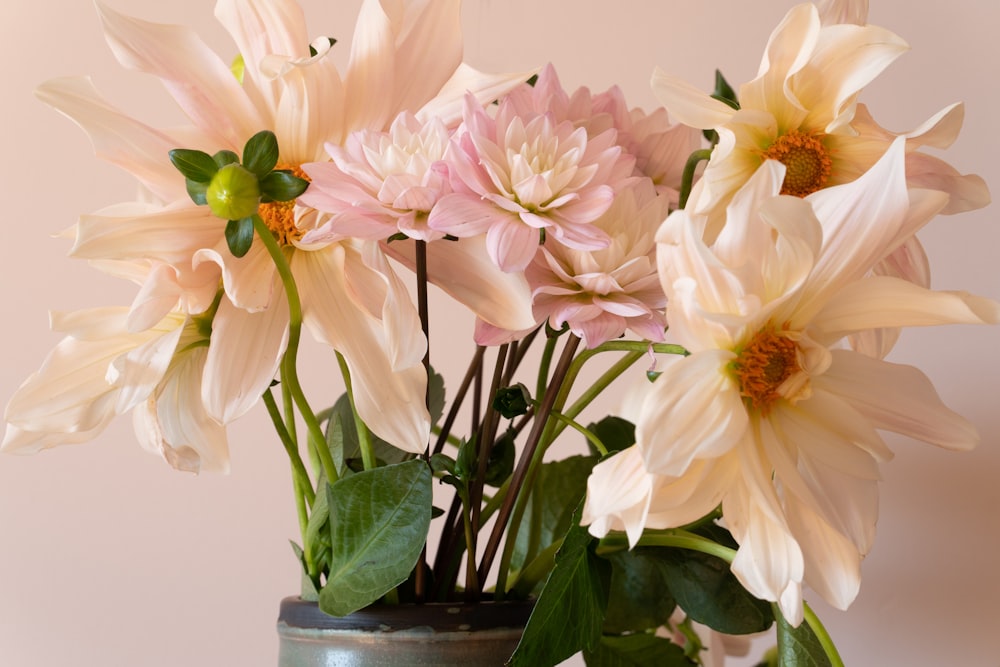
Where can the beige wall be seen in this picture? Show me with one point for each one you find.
(108, 558)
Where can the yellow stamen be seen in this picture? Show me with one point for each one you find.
(766, 362)
(806, 160)
(279, 216)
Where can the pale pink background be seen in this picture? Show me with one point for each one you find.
(108, 558)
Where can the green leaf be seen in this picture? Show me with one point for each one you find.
(282, 186)
(707, 590)
(637, 650)
(260, 154)
(616, 433)
(548, 515)
(239, 236)
(308, 592)
(640, 597)
(195, 165)
(378, 526)
(222, 158)
(570, 610)
(196, 191)
(435, 395)
(346, 448)
(799, 647)
(501, 462)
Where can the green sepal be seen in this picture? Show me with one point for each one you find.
(378, 527)
(195, 165)
(799, 647)
(260, 154)
(196, 191)
(308, 592)
(222, 158)
(239, 236)
(637, 650)
(724, 92)
(281, 186)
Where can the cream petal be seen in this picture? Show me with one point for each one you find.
(464, 270)
(140, 370)
(203, 86)
(389, 400)
(448, 103)
(688, 104)
(371, 73)
(618, 495)
(174, 423)
(896, 398)
(966, 192)
(251, 281)
(693, 411)
(846, 59)
(885, 301)
(843, 11)
(116, 137)
(243, 357)
(428, 51)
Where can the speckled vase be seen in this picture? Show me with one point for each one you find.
(405, 635)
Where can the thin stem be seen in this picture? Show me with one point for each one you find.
(289, 365)
(591, 438)
(364, 435)
(419, 584)
(543, 366)
(527, 459)
(470, 373)
(823, 636)
(687, 178)
(668, 538)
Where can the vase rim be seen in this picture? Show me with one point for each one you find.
(443, 616)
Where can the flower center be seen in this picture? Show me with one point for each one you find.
(806, 160)
(763, 366)
(279, 216)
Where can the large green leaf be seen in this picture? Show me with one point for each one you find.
(707, 590)
(640, 597)
(799, 647)
(616, 433)
(378, 525)
(637, 650)
(560, 487)
(570, 610)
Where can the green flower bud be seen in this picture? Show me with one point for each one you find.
(233, 193)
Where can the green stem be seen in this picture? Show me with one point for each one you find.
(364, 435)
(536, 570)
(668, 538)
(543, 366)
(591, 438)
(823, 636)
(289, 361)
(687, 178)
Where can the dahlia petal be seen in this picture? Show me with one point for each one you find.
(116, 137)
(251, 281)
(464, 215)
(896, 398)
(448, 103)
(389, 400)
(618, 496)
(429, 49)
(966, 192)
(464, 270)
(203, 86)
(511, 244)
(688, 104)
(243, 357)
(693, 411)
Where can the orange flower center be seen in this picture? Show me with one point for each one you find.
(806, 160)
(279, 216)
(763, 366)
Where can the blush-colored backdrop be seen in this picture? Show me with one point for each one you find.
(108, 558)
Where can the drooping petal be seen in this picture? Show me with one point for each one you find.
(618, 495)
(688, 104)
(243, 357)
(389, 400)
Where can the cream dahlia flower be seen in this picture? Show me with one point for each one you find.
(802, 110)
(404, 57)
(771, 415)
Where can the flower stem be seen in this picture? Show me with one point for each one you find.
(687, 178)
(823, 636)
(289, 365)
(364, 435)
(668, 538)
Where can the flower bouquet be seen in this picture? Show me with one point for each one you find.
(744, 258)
